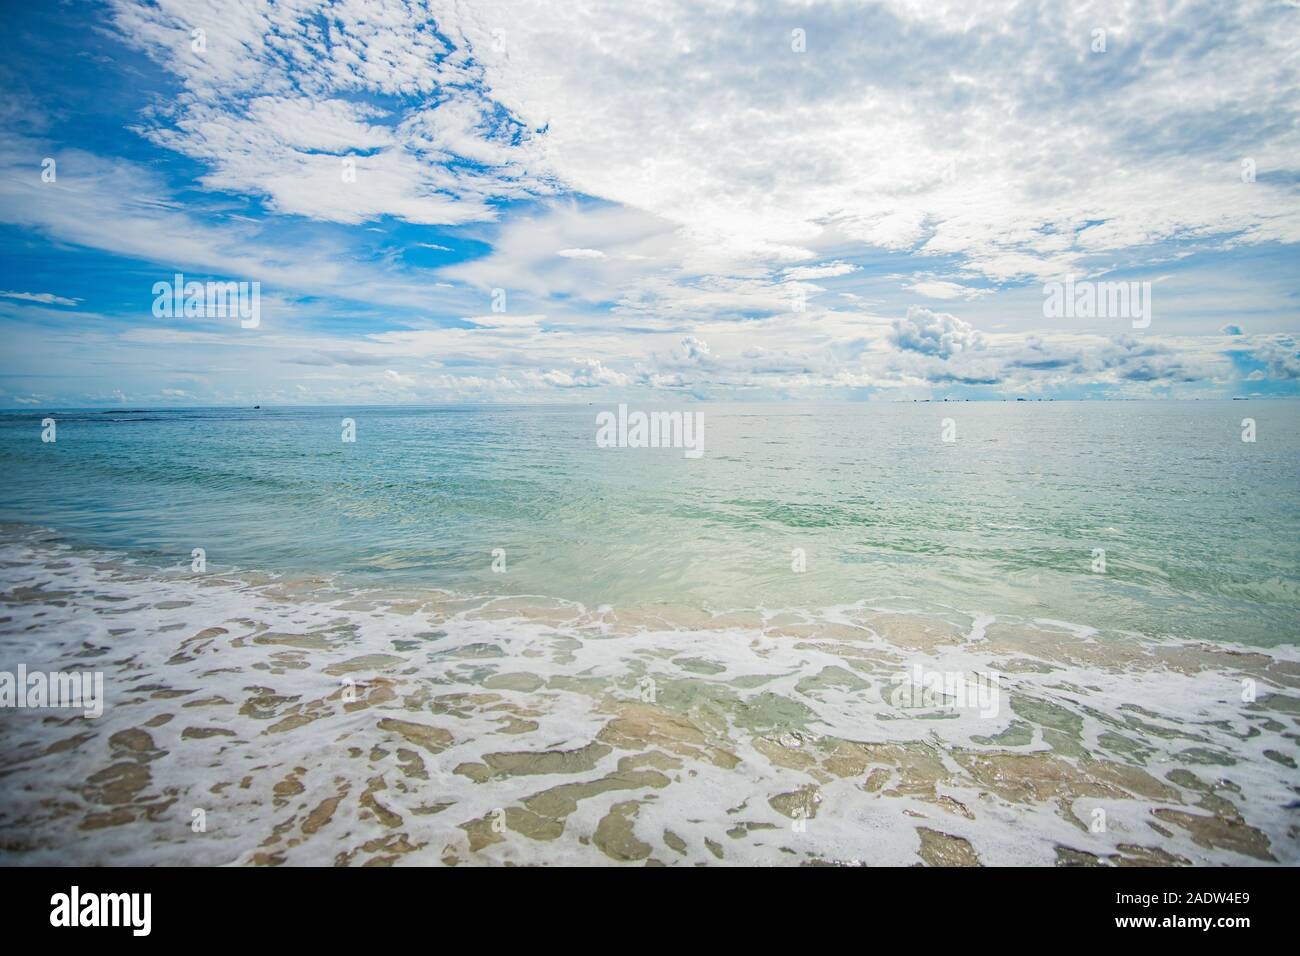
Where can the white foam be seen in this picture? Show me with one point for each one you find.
(826, 685)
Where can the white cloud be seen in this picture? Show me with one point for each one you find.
(124, 208)
(1015, 151)
(942, 289)
(501, 320)
(934, 333)
(1281, 354)
(588, 373)
(271, 107)
(827, 271)
(695, 350)
(1043, 153)
(45, 298)
(681, 173)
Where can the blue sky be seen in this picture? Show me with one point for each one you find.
(837, 201)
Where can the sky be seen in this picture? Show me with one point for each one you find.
(653, 202)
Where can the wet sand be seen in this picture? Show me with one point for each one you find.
(264, 721)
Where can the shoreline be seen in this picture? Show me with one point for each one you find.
(321, 727)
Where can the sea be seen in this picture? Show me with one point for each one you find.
(879, 633)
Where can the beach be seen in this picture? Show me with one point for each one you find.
(649, 678)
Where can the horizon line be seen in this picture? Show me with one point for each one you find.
(35, 409)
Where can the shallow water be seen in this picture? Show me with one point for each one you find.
(1201, 531)
(316, 725)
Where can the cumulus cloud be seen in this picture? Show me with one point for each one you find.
(1281, 355)
(695, 350)
(589, 373)
(934, 333)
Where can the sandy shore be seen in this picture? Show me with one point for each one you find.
(251, 720)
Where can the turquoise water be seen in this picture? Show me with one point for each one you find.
(1199, 528)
